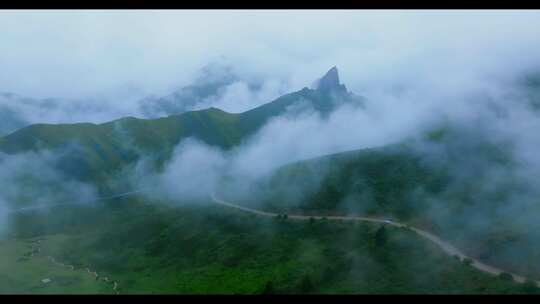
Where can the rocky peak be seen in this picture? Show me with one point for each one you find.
(330, 81)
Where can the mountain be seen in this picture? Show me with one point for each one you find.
(454, 180)
(330, 82)
(530, 85)
(213, 79)
(396, 179)
(20, 111)
(11, 120)
(12, 112)
(368, 181)
(326, 97)
(94, 151)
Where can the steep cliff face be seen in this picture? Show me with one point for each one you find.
(329, 83)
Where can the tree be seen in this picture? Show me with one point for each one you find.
(506, 276)
(285, 216)
(268, 288)
(311, 220)
(467, 261)
(306, 285)
(381, 236)
(328, 274)
(530, 286)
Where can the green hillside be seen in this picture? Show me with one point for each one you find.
(95, 152)
(448, 183)
(377, 181)
(384, 179)
(213, 79)
(201, 248)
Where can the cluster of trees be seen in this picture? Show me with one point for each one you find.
(506, 276)
(381, 236)
(305, 285)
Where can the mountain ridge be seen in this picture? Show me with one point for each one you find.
(107, 147)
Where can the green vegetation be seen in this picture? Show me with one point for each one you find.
(443, 183)
(506, 276)
(201, 248)
(381, 236)
(98, 152)
(23, 273)
(378, 178)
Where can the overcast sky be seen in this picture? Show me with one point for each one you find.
(68, 53)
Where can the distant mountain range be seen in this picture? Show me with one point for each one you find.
(212, 81)
(95, 151)
(18, 111)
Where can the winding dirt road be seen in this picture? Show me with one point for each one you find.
(445, 246)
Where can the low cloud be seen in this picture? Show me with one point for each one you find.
(31, 180)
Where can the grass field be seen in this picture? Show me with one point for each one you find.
(23, 273)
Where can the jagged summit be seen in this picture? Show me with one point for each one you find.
(330, 81)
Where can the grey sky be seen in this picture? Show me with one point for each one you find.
(77, 53)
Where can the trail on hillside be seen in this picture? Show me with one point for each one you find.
(39, 207)
(36, 248)
(445, 246)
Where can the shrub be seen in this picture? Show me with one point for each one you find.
(268, 288)
(530, 286)
(381, 236)
(506, 276)
(306, 285)
(467, 261)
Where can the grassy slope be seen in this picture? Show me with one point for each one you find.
(95, 152)
(22, 274)
(207, 249)
(379, 179)
(387, 181)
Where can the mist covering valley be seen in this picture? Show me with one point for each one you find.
(428, 118)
